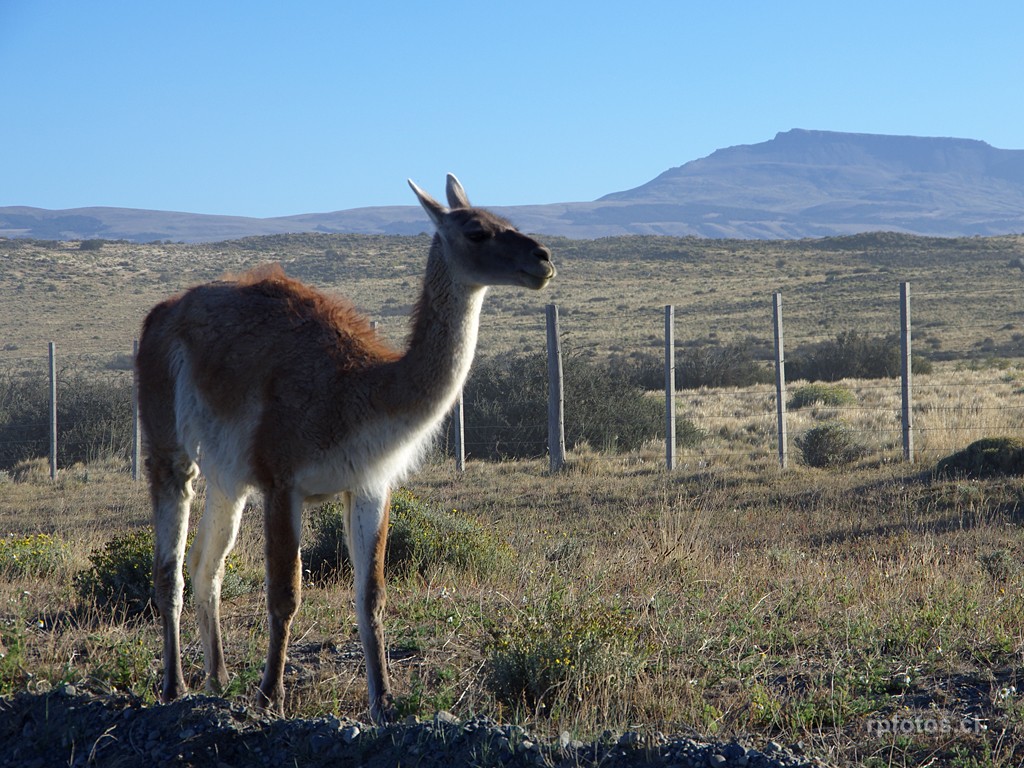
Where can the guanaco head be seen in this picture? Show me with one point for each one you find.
(482, 248)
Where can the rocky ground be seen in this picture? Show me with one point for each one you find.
(66, 727)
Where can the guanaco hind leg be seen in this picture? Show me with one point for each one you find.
(366, 524)
(214, 539)
(171, 487)
(282, 522)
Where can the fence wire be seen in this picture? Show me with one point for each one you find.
(975, 395)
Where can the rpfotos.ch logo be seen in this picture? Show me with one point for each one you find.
(924, 725)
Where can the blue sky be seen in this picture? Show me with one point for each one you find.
(265, 109)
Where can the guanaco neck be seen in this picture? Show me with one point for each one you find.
(427, 379)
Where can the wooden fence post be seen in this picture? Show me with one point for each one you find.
(53, 411)
(556, 418)
(780, 380)
(136, 427)
(460, 434)
(905, 358)
(670, 388)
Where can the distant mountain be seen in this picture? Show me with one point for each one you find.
(799, 184)
(818, 183)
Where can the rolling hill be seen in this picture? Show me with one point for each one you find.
(799, 184)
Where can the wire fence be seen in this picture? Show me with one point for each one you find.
(976, 392)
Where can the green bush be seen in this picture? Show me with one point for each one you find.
(120, 578)
(831, 444)
(421, 538)
(559, 656)
(987, 457)
(94, 419)
(823, 394)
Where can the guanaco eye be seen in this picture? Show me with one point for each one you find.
(477, 236)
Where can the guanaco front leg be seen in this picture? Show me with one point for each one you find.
(366, 522)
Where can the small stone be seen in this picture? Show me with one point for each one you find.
(717, 761)
(773, 747)
(349, 734)
(446, 717)
(564, 739)
(734, 751)
(320, 743)
(631, 739)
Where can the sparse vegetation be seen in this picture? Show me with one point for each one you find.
(797, 606)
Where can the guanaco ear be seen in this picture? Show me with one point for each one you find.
(456, 194)
(434, 209)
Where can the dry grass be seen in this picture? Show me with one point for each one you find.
(611, 292)
(805, 605)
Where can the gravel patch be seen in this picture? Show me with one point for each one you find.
(69, 728)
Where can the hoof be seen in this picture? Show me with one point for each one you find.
(383, 710)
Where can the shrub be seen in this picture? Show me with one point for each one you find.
(506, 407)
(556, 658)
(824, 394)
(852, 355)
(94, 419)
(32, 555)
(120, 578)
(831, 444)
(731, 365)
(421, 538)
(985, 458)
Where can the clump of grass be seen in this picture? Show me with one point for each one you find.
(831, 444)
(36, 554)
(1000, 564)
(120, 578)
(128, 667)
(559, 657)
(821, 394)
(421, 538)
